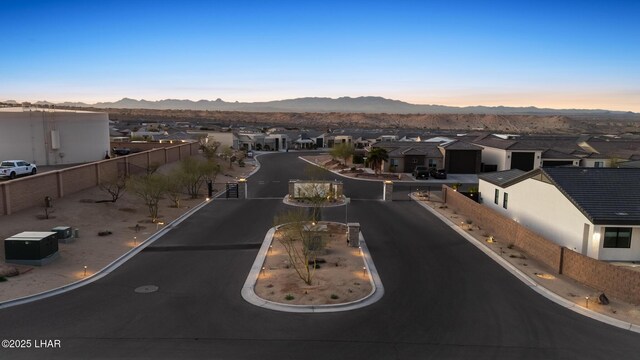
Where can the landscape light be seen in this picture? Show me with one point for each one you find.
(85, 270)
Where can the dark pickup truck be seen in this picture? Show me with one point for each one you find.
(421, 172)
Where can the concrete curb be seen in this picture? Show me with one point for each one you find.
(110, 267)
(528, 281)
(117, 262)
(250, 296)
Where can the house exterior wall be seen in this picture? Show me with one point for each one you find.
(600, 252)
(493, 156)
(541, 207)
(592, 162)
(226, 139)
(47, 137)
(544, 209)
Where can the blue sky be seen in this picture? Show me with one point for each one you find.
(561, 54)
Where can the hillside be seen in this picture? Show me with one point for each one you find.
(443, 122)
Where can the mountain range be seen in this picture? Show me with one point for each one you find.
(366, 104)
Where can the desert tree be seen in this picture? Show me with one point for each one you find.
(209, 147)
(176, 184)
(196, 172)
(302, 243)
(115, 188)
(149, 188)
(228, 155)
(342, 151)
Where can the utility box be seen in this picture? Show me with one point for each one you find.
(63, 233)
(31, 248)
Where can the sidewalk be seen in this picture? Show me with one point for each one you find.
(557, 287)
(80, 211)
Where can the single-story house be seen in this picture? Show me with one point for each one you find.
(594, 211)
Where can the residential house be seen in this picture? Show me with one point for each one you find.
(594, 211)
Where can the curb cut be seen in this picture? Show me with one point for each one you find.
(251, 297)
(528, 281)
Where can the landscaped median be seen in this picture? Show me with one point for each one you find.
(340, 278)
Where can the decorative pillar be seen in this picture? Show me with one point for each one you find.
(353, 237)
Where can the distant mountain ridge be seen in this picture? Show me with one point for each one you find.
(365, 104)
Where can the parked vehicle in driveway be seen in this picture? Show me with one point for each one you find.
(421, 172)
(438, 174)
(12, 168)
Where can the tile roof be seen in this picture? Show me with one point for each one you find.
(557, 155)
(460, 145)
(501, 177)
(604, 195)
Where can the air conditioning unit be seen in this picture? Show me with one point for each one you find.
(63, 233)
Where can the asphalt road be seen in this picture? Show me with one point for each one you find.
(443, 299)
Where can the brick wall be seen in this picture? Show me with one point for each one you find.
(30, 191)
(613, 280)
(504, 229)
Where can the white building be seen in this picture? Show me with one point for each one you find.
(594, 211)
(52, 137)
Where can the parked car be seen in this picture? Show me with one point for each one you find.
(421, 172)
(12, 168)
(121, 151)
(438, 174)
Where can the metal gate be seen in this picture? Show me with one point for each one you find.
(401, 191)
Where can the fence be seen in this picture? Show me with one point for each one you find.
(616, 281)
(30, 191)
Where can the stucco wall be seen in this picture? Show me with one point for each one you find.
(83, 136)
(493, 156)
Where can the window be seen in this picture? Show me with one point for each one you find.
(433, 163)
(598, 164)
(615, 237)
(505, 200)
(496, 197)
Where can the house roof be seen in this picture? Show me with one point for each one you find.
(399, 149)
(460, 145)
(501, 177)
(557, 155)
(608, 196)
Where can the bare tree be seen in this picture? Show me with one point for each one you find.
(115, 188)
(301, 241)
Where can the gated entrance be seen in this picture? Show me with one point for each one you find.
(232, 190)
(401, 191)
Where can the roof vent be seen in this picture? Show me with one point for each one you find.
(622, 213)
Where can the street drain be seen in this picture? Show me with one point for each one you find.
(545, 276)
(145, 289)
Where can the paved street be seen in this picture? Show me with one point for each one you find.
(444, 299)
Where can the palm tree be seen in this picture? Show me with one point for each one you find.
(376, 156)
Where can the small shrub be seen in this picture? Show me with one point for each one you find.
(3, 279)
(510, 246)
(334, 296)
(289, 297)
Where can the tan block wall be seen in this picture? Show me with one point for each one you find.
(612, 280)
(504, 229)
(29, 191)
(78, 178)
